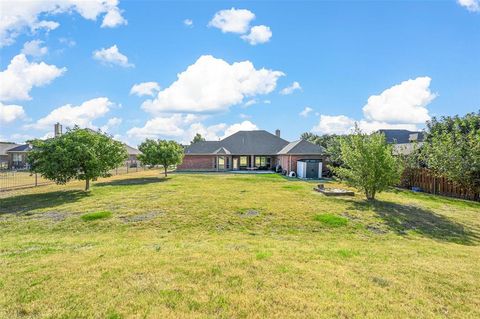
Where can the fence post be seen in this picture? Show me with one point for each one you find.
(36, 180)
(127, 167)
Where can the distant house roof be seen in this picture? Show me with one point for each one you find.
(5, 146)
(401, 136)
(258, 142)
(132, 150)
(21, 148)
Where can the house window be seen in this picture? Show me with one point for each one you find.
(243, 161)
(221, 162)
(260, 161)
(17, 157)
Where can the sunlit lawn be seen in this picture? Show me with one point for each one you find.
(234, 246)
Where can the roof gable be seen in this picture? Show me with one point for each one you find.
(400, 136)
(253, 142)
(302, 147)
(4, 147)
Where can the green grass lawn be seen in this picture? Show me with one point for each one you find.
(234, 246)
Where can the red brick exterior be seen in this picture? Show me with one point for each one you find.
(289, 162)
(197, 162)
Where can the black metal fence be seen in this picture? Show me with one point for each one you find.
(16, 179)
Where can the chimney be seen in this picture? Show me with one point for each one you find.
(277, 132)
(57, 129)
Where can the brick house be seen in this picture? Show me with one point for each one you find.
(251, 150)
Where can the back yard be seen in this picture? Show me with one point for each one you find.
(236, 246)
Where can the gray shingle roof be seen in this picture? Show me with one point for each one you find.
(21, 148)
(302, 147)
(399, 136)
(132, 150)
(4, 147)
(253, 143)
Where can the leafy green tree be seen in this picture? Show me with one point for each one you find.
(161, 152)
(452, 149)
(197, 138)
(330, 142)
(369, 163)
(80, 154)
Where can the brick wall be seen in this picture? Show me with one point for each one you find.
(197, 162)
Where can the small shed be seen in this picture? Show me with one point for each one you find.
(309, 168)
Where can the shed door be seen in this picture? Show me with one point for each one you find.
(312, 169)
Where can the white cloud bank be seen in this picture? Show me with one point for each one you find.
(145, 88)
(188, 22)
(70, 115)
(19, 16)
(112, 56)
(470, 5)
(183, 127)
(238, 21)
(403, 106)
(212, 85)
(10, 113)
(291, 88)
(21, 76)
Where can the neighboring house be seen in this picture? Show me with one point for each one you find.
(404, 142)
(251, 150)
(133, 153)
(4, 147)
(14, 156)
(17, 156)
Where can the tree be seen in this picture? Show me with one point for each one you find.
(330, 142)
(197, 138)
(161, 152)
(80, 154)
(452, 149)
(369, 163)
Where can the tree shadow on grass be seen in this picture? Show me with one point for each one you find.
(26, 203)
(404, 218)
(133, 181)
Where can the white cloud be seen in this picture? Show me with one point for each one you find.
(113, 18)
(340, 124)
(70, 115)
(403, 106)
(183, 127)
(258, 34)
(267, 102)
(170, 126)
(244, 116)
(145, 88)
(112, 56)
(211, 85)
(34, 48)
(111, 123)
(30, 16)
(402, 103)
(244, 126)
(21, 76)
(232, 20)
(306, 111)
(188, 22)
(10, 113)
(250, 102)
(471, 5)
(291, 88)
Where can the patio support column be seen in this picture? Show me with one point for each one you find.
(252, 161)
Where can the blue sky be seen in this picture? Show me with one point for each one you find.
(381, 64)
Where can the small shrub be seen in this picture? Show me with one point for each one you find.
(331, 220)
(96, 215)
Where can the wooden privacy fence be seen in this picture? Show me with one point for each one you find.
(429, 183)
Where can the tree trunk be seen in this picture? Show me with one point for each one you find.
(165, 168)
(87, 184)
